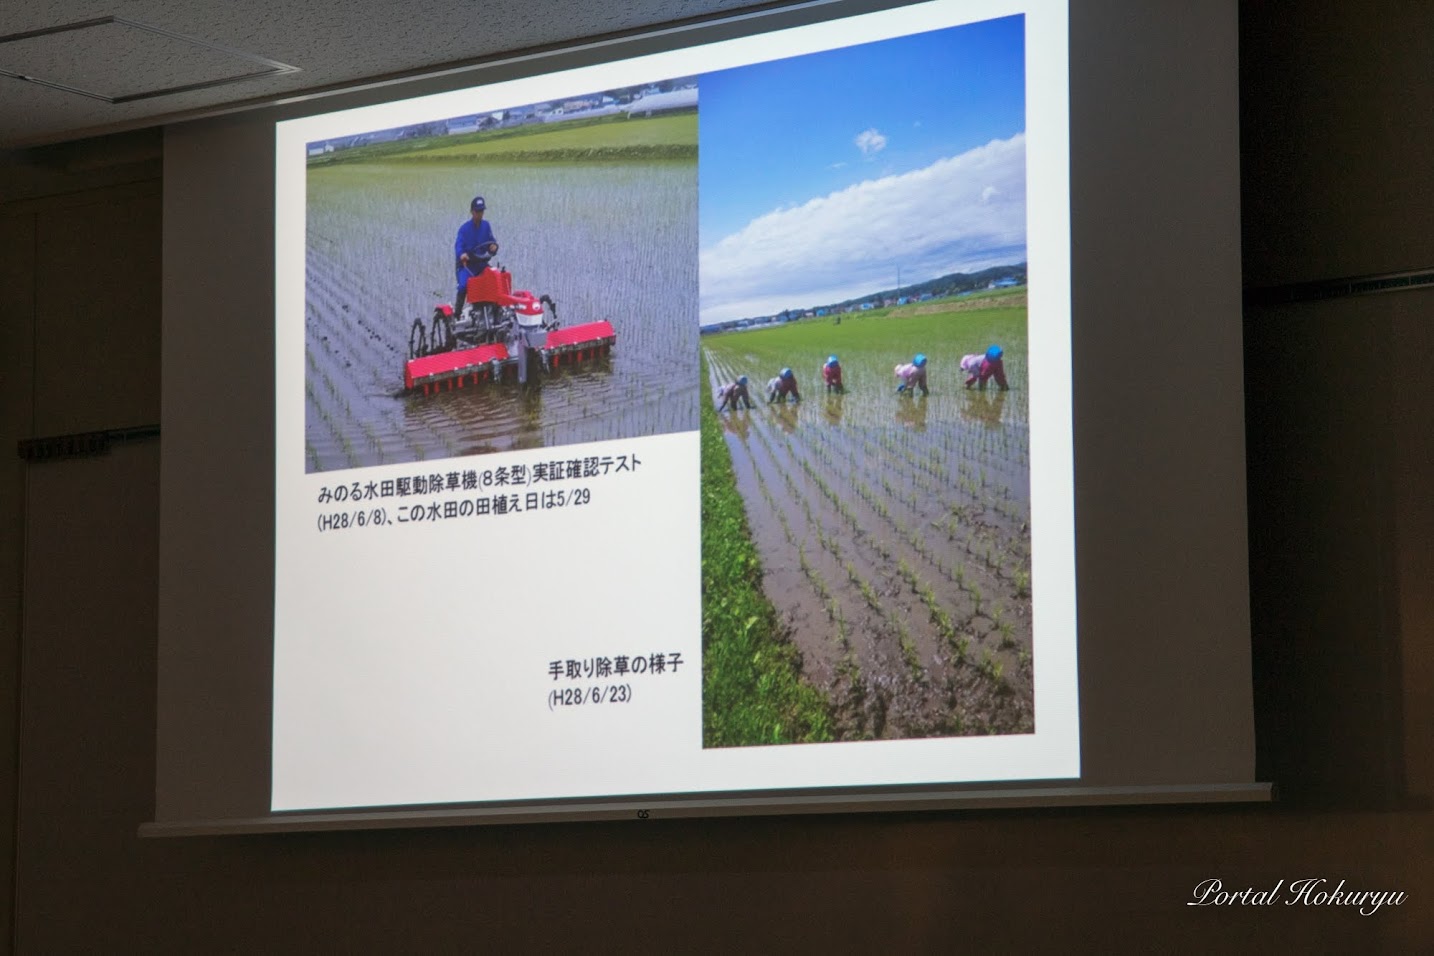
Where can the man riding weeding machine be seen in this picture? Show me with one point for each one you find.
(491, 328)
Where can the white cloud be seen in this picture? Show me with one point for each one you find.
(870, 142)
(960, 214)
(841, 165)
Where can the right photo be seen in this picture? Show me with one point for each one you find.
(866, 537)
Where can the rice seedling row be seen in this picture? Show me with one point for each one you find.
(907, 542)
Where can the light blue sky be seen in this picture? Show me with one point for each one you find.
(820, 175)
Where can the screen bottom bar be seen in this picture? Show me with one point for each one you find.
(758, 805)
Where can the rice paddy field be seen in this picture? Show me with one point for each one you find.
(602, 218)
(893, 531)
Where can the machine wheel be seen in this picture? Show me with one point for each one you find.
(417, 340)
(440, 339)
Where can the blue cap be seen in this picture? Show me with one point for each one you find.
(919, 361)
(477, 205)
(786, 373)
(742, 380)
(994, 353)
(832, 360)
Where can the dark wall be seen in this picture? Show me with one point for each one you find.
(1335, 123)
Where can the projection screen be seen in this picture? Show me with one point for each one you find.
(688, 425)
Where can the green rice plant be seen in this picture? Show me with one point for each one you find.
(790, 482)
(819, 584)
(880, 508)
(990, 667)
(908, 574)
(939, 617)
(909, 654)
(917, 543)
(960, 646)
(786, 525)
(374, 444)
(868, 594)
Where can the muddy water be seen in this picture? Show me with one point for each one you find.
(895, 539)
(614, 242)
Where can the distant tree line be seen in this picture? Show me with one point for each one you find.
(953, 283)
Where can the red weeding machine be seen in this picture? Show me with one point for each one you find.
(498, 332)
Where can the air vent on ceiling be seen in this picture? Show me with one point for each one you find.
(119, 61)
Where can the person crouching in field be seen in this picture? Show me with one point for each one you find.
(831, 375)
(732, 393)
(783, 385)
(913, 376)
(980, 368)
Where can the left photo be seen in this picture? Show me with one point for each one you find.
(519, 278)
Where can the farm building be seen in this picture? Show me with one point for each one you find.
(464, 124)
(650, 103)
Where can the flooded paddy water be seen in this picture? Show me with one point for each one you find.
(894, 531)
(614, 241)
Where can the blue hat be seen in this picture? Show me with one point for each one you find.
(742, 380)
(477, 205)
(786, 373)
(919, 361)
(832, 360)
(994, 353)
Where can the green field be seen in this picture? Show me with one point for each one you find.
(870, 344)
(611, 138)
(893, 532)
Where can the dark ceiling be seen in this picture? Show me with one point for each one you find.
(139, 63)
